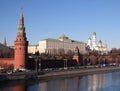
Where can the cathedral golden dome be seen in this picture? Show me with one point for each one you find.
(100, 41)
(94, 33)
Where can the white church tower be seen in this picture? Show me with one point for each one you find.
(90, 43)
(94, 40)
(93, 45)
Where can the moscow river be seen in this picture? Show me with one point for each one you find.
(95, 82)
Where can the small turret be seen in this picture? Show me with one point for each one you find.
(76, 55)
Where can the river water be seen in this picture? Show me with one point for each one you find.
(95, 82)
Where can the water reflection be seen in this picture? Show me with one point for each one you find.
(96, 82)
(70, 84)
(14, 88)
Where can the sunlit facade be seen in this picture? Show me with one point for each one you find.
(56, 46)
(93, 45)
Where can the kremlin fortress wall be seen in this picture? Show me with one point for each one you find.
(20, 49)
(21, 52)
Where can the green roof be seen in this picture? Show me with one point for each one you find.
(63, 37)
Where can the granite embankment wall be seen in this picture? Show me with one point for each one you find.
(56, 73)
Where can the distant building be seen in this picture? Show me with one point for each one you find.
(32, 49)
(5, 51)
(93, 45)
(62, 45)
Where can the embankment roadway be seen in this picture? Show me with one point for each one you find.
(77, 72)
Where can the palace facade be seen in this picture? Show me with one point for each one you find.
(62, 45)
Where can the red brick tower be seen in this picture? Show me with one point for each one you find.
(21, 45)
(76, 55)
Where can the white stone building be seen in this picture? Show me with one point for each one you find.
(56, 46)
(32, 49)
(93, 45)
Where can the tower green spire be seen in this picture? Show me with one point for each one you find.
(4, 42)
(21, 27)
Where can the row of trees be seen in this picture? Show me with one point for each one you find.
(60, 52)
(6, 53)
(91, 58)
(95, 58)
(115, 50)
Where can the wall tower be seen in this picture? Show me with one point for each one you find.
(76, 55)
(20, 46)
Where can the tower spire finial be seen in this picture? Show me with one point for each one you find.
(21, 17)
(4, 42)
(21, 27)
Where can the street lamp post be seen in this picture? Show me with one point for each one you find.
(39, 64)
(65, 63)
(36, 59)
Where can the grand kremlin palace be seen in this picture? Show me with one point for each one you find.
(55, 46)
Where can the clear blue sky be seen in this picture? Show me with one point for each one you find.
(77, 19)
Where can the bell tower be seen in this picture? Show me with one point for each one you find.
(94, 40)
(20, 46)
